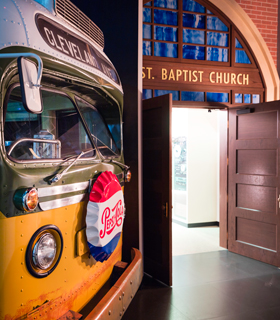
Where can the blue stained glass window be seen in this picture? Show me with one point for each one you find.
(217, 54)
(213, 46)
(241, 57)
(165, 33)
(193, 52)
(193, 21)
(147, 15)
(238, 98)
(192, 96)
(214, 23)
(147, 48)
(175, 94)
(238, 44)
(169, 50)
(247, 98)
(217, 39)
(147, 31)
(165, 17)
(193, 36)
(147, 94)
(256, 98)
(191, 5)
(217, 97)
(170, 4)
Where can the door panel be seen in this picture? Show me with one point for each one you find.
(256, 233)
(254, 125)
(254, 182)
(256, 162)
(257, 198)
(157, 187)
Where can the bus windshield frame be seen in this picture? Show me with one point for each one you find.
(55, 129)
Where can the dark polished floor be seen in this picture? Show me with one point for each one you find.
(216, 285)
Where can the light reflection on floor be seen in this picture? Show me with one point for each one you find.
(194, 240)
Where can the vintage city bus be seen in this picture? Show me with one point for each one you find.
(62, 168)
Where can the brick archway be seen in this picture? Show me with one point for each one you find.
(255, 40)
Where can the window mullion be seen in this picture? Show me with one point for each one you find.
(180, 30)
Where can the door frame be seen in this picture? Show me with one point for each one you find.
(223, 170)
(223, 186)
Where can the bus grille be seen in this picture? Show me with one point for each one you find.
(67, 10)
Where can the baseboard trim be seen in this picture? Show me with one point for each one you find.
(197, 225)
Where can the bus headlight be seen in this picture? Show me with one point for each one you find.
(44, 251)
(26, 199)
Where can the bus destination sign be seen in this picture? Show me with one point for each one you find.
(65, 42)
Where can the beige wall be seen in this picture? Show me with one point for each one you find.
(202, 155)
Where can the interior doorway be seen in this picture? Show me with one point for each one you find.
(197, 150)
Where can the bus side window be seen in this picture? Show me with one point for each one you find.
(19, 124)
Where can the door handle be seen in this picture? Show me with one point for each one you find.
(165, 209)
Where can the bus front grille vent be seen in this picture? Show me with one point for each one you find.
(68, 11)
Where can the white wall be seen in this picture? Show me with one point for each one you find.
(200, 202)
(202, 155)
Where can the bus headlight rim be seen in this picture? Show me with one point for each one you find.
(34, 263)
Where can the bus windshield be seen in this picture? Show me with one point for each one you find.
(57, 133)
(100, 132)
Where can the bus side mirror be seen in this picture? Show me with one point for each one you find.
(30, 86)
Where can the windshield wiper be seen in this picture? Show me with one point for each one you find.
(125, 167)
(105, 145)
(59, 175)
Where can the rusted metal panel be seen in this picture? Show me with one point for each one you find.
(48, 310)
(113, 304)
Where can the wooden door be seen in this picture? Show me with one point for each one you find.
(157, 188)
(254, 182)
